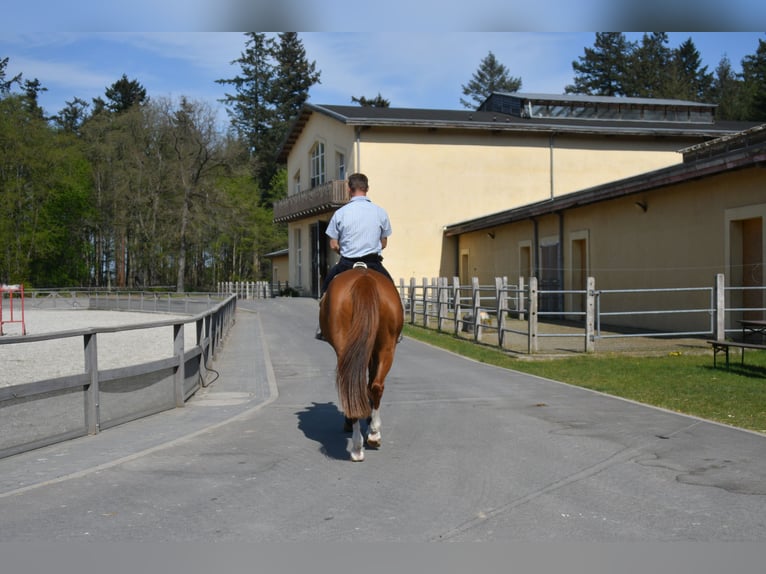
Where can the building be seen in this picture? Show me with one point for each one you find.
(433, 168)
(675, 227)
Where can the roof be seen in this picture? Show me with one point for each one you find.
(413, 118)
(746, 149)
(574, 98)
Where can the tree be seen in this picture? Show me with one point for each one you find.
(726, 91)
(124, 94)
(250, 108)
(649, 62)
(492, 76)
(754, 83)
(293, 77)
(272, 87)
(44, 200)
(6, 85)
(687, 78)
(602, 70)
(376, 102)
(72, 117)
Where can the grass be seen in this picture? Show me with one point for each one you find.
(682, 383)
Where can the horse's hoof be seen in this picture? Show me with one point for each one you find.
(373, 440)
(357, 456)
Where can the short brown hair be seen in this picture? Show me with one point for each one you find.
(358, 181)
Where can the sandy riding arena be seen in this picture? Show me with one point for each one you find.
(27, 362)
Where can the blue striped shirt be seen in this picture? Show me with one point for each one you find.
(359, 226)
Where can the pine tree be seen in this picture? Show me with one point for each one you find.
(492, 76)
(754, 83)
(688, 79)
(376, 102)
(602, 70)
(6, 85)
(273, 85)
(124, 94)
(648, 65)
(726, 91)
(293, 77)
(249, 107)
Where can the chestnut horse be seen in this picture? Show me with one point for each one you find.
(361, 317)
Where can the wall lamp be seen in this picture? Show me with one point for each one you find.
(491, 234)
(642, 205)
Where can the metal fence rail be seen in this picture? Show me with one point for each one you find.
(484, 312)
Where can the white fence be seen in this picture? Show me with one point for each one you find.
(250, 289)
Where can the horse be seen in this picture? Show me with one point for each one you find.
(361, 316)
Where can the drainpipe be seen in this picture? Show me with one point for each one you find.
(535, 247)
(358, 150)
(550, 161)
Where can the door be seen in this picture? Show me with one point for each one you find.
(319, 267)
(550, 277)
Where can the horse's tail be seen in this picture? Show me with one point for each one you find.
(354, 361)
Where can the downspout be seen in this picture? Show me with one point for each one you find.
(550, 162)
(358, 149)
(535, 247)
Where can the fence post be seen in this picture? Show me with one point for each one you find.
(590, 314)
(443, 297)
(92, 416)
(456, 299)
(425, 302)
(412, 300)
(532, 325)
(520, 300)
(501, 296)
(476, 304)
(180, 374)
(720, 307)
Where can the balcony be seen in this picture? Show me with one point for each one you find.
(326, 197)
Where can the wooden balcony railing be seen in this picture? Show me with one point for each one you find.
(321, 199)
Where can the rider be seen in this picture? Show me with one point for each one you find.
(358, 231)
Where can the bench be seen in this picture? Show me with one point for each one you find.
(724, 346)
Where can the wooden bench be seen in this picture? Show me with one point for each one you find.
(724, 346)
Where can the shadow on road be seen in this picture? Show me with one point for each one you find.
(323, 423)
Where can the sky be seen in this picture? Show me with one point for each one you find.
(419, 70)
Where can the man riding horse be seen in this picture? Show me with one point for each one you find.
(358, 231)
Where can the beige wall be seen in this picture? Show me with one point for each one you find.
(686, 236)
(427, 179)
(280, 269)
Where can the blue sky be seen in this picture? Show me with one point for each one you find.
(422, 70)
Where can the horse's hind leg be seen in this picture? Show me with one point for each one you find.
(377, 385)
(357, 442)
(373, 434)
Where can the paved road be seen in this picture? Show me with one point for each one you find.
(470, 452)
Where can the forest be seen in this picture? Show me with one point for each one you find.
(137, 192)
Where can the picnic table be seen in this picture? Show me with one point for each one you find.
(751, 327)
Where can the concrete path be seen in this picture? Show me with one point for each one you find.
(470, 453)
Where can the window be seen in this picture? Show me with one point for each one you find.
(340, 163)
(297, 182)
(317, 165)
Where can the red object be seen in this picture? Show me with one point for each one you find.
(11, 289)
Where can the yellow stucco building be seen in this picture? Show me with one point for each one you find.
(432, 169)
